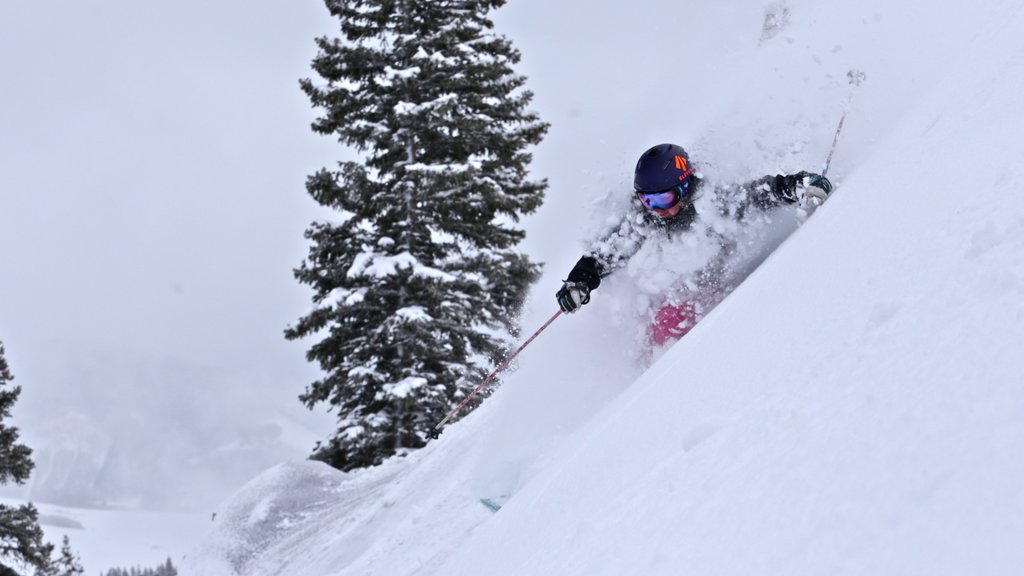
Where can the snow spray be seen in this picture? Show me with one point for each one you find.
(504, 364)
(856, 77)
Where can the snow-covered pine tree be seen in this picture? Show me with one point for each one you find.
(68, 563)
(165, 569)
(418, 283)
(21, 538)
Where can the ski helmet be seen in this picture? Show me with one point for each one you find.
(661, 168)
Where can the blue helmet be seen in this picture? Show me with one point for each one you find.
(661, 168)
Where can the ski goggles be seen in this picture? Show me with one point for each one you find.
(666, 198)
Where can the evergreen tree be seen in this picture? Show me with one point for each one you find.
(68, 564)
(21, 538)
(418, 283)
(167, 569)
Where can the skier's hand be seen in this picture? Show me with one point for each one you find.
(816, 187)
(572, 296)
(784, 187)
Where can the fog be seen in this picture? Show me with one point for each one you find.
(152, 160)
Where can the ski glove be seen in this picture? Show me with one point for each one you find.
(817, 186)
(584, 277)
(813, 185)
(572, 296)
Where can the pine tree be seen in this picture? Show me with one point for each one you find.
(167, 569)
(21, 538)
(68, 564)
(418, 284)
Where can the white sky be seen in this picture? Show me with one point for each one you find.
(152, 161)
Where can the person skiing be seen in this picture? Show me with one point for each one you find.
(668, 190)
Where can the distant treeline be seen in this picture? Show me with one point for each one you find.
(165, 569)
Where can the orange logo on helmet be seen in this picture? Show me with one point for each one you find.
(681, 165)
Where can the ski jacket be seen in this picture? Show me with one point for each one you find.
(736, 203)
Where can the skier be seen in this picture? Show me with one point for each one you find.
(666, 188)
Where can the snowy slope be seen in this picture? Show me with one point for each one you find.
(855, 407)
(117, 538)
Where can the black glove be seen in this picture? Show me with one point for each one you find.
(813, 185)
(584, 277)
(572, 296)
(784, 187)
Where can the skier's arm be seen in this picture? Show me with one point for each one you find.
(588, 270)
(606, 255)
(772, 191)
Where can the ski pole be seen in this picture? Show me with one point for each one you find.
(504, 364)
(856, 77)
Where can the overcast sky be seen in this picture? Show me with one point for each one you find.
(152, 157)
(152, 161)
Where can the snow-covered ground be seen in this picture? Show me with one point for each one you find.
(120, 538)
(855, 407)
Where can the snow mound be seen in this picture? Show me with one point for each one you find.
(308, 518)
(267, 515)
